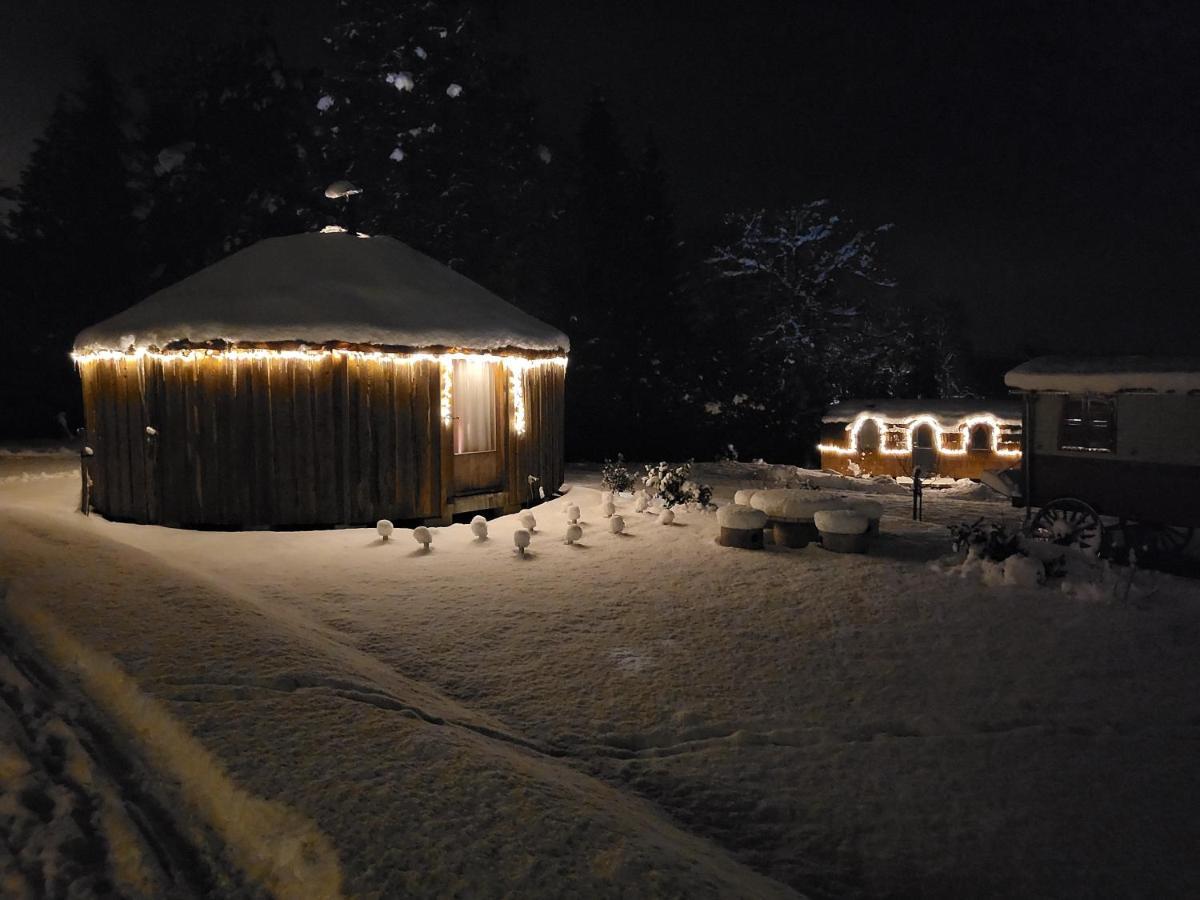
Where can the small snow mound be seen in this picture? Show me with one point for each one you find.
(666, 517)
(454, 90)
(1024, 571)
(325, 103)
(574, 533)
(479, 528)
(616, 524)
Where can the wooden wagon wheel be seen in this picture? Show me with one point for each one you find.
(1158, 541)
(1069, 523)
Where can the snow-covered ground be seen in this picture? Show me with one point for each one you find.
(642, 714)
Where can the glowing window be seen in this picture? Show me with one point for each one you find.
(474, 401)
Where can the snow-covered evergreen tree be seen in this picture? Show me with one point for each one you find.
(424, 113)
(74, 246)
(628, 332)
(225, 155)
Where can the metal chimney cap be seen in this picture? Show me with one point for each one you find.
(340, 189)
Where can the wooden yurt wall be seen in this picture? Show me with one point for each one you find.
(264, 442)
(540, 451)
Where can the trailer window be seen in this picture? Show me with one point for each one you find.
(1088, 423)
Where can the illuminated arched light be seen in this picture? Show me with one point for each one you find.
(911, 425)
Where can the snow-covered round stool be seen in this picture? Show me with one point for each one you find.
(745, 496)
(843, 530)
(872, 510)
(741, 526)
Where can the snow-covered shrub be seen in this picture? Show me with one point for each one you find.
(992, 541)
(528, 522)
(640, 504)
(616, 524)
(666, 517)
(615, 476)
(674, 486)
(574, 533)
(572, 513)
(607, 508)
(384, 527)
(479, 528)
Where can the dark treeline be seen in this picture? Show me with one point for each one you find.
(732, 341)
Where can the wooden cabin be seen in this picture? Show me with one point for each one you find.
(1114, 438)
(319, 380)
(952, 438)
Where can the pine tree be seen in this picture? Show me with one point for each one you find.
(425, 115)
(225, 156)
(74, 235)
(628, 334)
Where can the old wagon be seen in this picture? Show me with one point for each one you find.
(1112, 451)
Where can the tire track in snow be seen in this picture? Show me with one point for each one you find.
(100, 823)
(274, 846)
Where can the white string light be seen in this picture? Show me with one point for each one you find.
(909, 428)
(515, 365)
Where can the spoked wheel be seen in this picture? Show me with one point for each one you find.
(1158, 541)
(1069, 523)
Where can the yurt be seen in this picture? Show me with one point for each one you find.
(316, 380)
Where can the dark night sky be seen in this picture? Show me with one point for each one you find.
(1041, 161)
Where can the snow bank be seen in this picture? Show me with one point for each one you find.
(318, 288)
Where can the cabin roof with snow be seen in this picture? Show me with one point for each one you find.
(326, 288)
(1107, 374)
(948, 412)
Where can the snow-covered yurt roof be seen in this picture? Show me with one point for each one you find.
(325, 288)
(1107, 374)
(948, 412)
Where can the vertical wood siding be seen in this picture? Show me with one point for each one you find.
(278, 442)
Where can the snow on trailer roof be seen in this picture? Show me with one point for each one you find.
(1107, 374)
(1005, 411)
(323, 288)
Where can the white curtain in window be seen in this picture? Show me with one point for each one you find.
(473, 390)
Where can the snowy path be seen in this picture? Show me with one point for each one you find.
(605, 717)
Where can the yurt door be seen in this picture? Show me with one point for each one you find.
(478, 414)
